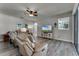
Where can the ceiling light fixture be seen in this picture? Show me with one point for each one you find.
(30, 12)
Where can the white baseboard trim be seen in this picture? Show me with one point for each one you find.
(60, 40)
(65, 41)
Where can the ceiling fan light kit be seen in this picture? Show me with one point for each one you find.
(31, 12)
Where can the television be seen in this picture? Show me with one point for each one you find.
(47, 28)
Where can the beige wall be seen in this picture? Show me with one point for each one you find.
(8, 23)
(65, 35)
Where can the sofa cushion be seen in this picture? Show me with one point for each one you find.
(31, 38)
(40, 47)
(22, 36)
(28, 51)
(30, 47)
(30, 43)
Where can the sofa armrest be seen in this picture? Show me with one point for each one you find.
(42, 51)
(41, 47)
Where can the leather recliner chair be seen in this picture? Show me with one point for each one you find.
(28, 48)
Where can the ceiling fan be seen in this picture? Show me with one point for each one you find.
(30, 12)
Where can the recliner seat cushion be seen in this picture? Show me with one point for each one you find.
(40, 47)
(22, 36)
(29, 46)
(28, 51)
(31, 38)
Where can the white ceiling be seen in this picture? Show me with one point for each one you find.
(44, 9)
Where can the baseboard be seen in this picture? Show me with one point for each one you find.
(58, 40)
(64, 41)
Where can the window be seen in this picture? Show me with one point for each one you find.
(19, 26)
(30, 26)
(63, 23)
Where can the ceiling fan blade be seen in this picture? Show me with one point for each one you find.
(32, 12)
(35, 11)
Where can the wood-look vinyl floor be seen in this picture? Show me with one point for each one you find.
(55, 48)
(7, 49)
(60, 48)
